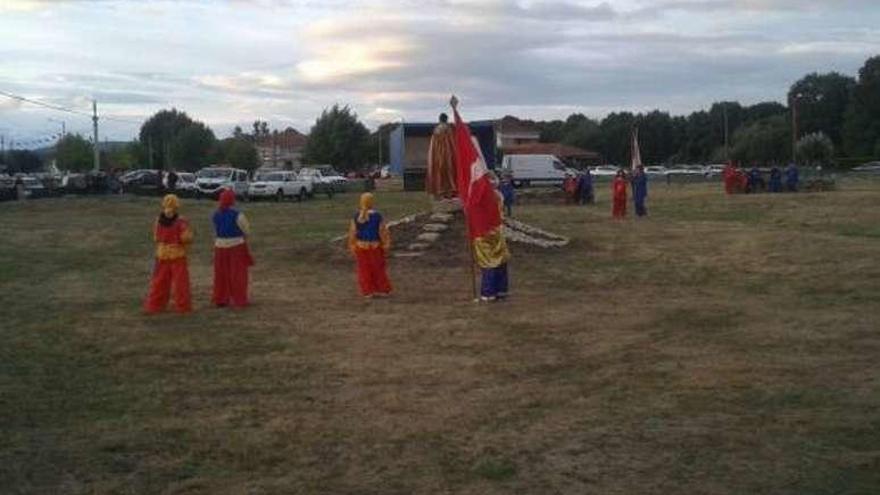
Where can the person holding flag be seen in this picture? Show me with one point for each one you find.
(618, 196)
(482, 208)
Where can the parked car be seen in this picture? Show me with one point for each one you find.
(713, 170)
(320, 182)
(656, 170)
(33, 187)
(211, 180)
(531, 169)
(605, 170)
(870, 167)
(279, 184)
(186, 182)
(143, 180)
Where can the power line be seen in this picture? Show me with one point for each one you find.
(65, 109)
(41, 104)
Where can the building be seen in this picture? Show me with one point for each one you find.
(282, 149)
(511, 131)
(408, 149)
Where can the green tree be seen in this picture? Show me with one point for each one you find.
(765, 141)
(338, 139)
(822, 100)
(815, 149)
(176, 140)
(191, 147)
(861, 130)
(74, 153)
(238, 152)
(616, 137)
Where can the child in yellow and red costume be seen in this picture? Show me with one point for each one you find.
(370, 243)
(172, 236)
(232, 257)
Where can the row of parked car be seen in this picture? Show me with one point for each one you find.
(262, 184)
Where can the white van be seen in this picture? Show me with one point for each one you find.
(210, 180)
(532, 169)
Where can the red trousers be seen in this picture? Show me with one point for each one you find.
(618, 209)
(231, 276)
(169, 276)
(371, 273)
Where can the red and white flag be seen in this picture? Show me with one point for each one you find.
(475, 189)
(636, 153)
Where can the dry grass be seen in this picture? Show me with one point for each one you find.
(724, 345)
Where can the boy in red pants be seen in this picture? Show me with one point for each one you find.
(172, 236)
(370, 243)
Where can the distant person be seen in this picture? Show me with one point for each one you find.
(440, 180)
(754, 181)
(775, 184)
(172, 236)
(729, 176)
(369, 241)
(508, 193)
(640, 190)
(585, 187)
(569, 187)
(618, 195)
(232, 256)
(18, 188)
(792, 177)
(171, 180)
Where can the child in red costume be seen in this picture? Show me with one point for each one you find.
(370, 243)
(232, 258)
(172, 236)
(618, 189)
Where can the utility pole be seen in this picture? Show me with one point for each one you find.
(150, 148)
(95, 132)
(794, 126)
(379, 133)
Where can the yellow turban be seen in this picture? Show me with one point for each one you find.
(170, 205)
(366, 204)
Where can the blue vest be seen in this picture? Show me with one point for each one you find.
(225, 224)
(369, 230)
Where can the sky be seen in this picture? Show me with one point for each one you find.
(230, 62)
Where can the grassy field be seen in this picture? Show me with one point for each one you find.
(723, 345)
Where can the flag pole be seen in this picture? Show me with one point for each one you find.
(453, 102)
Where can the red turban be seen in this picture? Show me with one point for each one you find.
(227, 198)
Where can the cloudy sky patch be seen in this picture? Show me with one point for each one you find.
(230, 62)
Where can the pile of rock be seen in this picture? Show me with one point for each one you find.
(438, 223)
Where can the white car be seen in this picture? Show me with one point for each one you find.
(186, 182)
(605, 171)
(656, 170)
(870, 167)
(714, 170)
(320, 182)
(279, 184)
(211, 180)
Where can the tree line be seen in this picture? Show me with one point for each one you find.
(829, 109)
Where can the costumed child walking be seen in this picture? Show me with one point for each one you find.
(618, 190)
(232, 256)
(370, 243)
(172, 236)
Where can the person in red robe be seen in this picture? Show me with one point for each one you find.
(618, 194)
(232, 257)
(569, 186)
(370, 243)
(172, 236)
